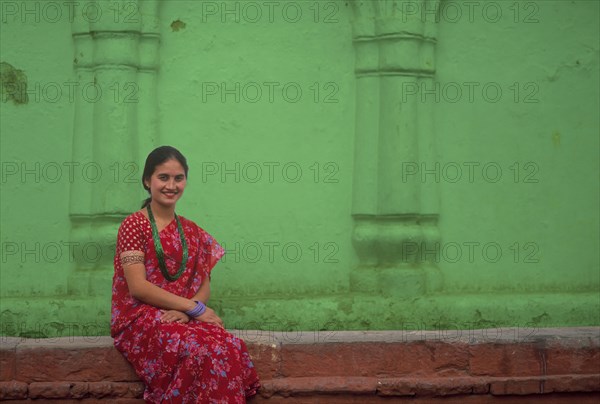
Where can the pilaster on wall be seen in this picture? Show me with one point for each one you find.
(396, 215)
(116, 58)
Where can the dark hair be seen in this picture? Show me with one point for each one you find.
(157, 157)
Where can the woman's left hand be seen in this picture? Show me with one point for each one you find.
(174, 316)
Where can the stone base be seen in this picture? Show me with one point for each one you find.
(553, 366)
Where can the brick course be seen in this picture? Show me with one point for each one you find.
(361, 367)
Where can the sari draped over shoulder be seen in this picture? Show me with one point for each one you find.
(196, 362)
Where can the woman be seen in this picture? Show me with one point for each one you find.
(160, 322)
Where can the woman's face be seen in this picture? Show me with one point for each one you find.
(167, 183)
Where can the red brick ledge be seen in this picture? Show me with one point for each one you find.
(373, 365)
(442, 386)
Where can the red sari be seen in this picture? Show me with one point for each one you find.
(190, 363)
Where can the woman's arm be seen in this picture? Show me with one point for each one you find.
(209, 315)
(203, 293)
(141, 289)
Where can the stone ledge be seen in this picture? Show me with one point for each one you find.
(334, 385)
(375, 365)
(68, 389)
(444, 386)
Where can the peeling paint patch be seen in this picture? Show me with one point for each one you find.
(13, 84)
(539, 319)
(274, 356)
(177, 25)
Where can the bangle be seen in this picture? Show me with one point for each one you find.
(198, 310)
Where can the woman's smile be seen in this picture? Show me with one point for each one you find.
(170, 194)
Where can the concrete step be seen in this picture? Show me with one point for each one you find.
(491, 365)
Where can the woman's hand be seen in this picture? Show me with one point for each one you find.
(174, 316)
(209, 316)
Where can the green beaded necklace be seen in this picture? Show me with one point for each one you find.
(159, 250)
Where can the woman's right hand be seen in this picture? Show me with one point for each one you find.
(209, 316)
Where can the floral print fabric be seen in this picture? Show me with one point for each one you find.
(195, 362)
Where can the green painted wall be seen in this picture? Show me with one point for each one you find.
(291, 260)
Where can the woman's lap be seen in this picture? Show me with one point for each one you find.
(186, 361)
